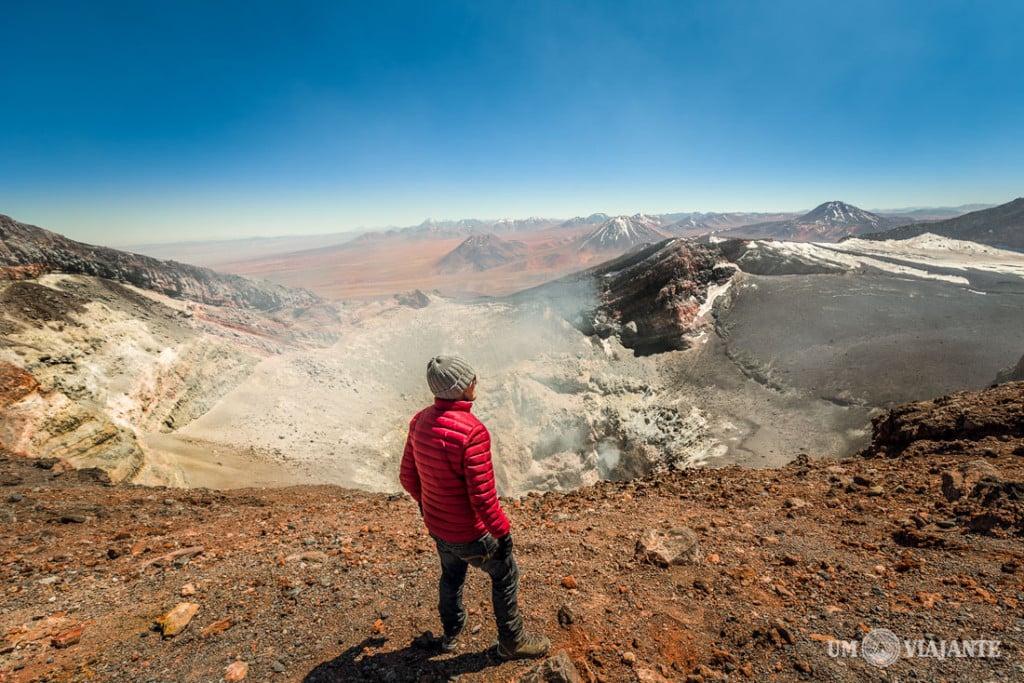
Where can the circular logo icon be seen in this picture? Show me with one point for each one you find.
(880, 647)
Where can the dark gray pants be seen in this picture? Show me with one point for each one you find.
(482, 553)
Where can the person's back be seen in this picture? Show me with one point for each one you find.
(451, 451)
(446, 467)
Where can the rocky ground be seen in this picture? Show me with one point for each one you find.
(920, 535)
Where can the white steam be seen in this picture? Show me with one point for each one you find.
(563, 410)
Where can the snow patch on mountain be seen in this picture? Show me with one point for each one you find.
(624, 232)
(928, 256)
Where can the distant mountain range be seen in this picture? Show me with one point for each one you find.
(431, 229)
(932, 213)
(828, 222)
(698, 224)
(479, 253)
(1000, 226)
(592, 219)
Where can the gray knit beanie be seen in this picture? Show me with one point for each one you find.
(448, 376)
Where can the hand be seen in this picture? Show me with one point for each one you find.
(505, 545)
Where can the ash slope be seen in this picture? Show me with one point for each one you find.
(877, 323)
(920, 537)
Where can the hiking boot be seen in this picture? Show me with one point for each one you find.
(449, 641)
(527, 647)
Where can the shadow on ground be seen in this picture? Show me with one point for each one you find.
(419, 662)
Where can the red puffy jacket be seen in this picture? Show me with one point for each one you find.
(446, 467)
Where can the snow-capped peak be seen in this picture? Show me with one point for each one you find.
(623, 232)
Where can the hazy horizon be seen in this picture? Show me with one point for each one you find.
(351, 234)
(132, 124)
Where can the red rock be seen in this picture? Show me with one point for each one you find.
(15, 384)
(218, 626)
(69, 637)
(570, 582)
(803, 667)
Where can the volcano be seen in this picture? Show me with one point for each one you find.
(828, 222)
(624, 232)
(481, 252)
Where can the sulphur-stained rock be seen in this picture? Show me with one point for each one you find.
(666, 547)
(15, 384)
(557, 669)
(47, 424)
(236, 671)
(175, 621)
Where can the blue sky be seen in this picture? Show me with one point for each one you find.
(129, 122)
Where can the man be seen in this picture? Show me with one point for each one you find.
(447, 468)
